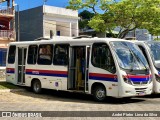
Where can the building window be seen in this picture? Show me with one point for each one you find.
(94, 35)
(32, 54)
(61, 55)
(3, 53)
(102, 57)
(45, 54)
(58, 33)
(11, 55)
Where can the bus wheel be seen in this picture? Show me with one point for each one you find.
(36, 86)
(99, 93)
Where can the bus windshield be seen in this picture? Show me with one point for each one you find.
(129, 56)
(155, 52)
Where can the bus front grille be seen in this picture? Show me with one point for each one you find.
(139, 90)
(140, 83)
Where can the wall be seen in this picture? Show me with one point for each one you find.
(37, 22)
(49, 25)
(31, 24)
(60, 11)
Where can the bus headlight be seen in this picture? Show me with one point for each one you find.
(157, 78)
(127, 80)
(150, 80)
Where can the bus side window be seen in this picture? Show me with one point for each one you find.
(32, 54)
(45, 54)
(61, 55)
(102, 57)
(11, 54)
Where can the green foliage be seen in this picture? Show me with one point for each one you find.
(126, 14)
(98, 23)
(5, 85)
(85, 17)
(83, 24)
(157, 39)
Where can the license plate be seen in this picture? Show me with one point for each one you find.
(141, 93)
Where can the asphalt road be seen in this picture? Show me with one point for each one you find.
(51, 100)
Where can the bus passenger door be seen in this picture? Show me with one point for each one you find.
(78, 68)
(71, 69)
(21, 64)
(87, 67)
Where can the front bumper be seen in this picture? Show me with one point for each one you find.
(138, 90)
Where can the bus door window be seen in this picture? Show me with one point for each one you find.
(102, 57)
(61, 55)
(11, 55)
(80, 66)
(88, 55)
(81, 61)
(32, 54)
(45, 54)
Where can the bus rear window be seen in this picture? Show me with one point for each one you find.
(11, 54)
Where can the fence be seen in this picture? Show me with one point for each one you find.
(6, 34)
(6, 11)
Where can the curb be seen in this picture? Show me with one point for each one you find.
(2, 80)
(12, 90)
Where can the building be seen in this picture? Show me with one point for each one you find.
(6, 28)
(45, 20)
(138, 34)
(93, 33)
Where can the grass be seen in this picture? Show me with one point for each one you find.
(5, 85)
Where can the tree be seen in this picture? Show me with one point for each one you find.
(85, 17)
(127, 15)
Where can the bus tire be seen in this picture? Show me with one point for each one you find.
(36, 86)
(99, 93)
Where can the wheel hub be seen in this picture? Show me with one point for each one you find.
(36, 87)
(100, 94)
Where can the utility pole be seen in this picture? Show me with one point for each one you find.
(13, 10)
(18, 23)
(44, 3)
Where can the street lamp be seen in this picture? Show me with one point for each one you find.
(44, 2)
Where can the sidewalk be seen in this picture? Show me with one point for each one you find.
(2, 80)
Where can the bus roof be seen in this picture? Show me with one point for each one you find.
(66, 40)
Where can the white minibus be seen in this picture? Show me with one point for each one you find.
(151, 50)
(98, 66)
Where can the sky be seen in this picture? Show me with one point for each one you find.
(26, 4)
